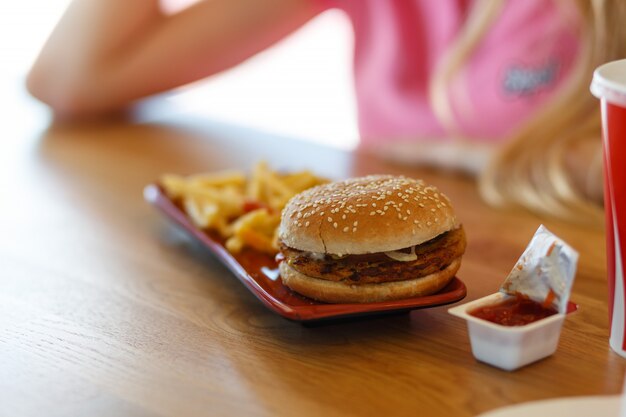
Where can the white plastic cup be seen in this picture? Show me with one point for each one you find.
(510, 347)
(609, 85)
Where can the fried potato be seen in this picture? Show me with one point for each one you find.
(256, 230)
(244, 211)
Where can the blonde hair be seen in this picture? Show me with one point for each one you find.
(529, 169)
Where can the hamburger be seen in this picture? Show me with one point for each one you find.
(369, 239)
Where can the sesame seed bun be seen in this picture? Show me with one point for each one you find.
(377, 213)
(342, 292)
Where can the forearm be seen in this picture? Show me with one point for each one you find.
(87, 36)
(94, 62)
(177, 53)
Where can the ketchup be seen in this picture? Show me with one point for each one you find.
(251, 205)
(515, 311)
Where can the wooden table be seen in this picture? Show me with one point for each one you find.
(106, 309)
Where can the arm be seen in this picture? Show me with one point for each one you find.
(104, 54)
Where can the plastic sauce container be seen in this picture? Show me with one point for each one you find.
(510, 347)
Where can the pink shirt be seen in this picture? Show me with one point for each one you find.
(520, 63)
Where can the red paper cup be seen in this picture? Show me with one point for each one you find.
(609, 85)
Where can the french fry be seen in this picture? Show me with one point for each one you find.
(256, 230)
(244, 211)
(257, 241)
(175, 185)
(202, 215)
(254, 189)
(219, 179)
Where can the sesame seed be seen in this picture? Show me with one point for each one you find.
(372, 213)
(356, 223)
(343, 216)
(345, 229)
(335, 225)
(330, 219)
(307, 224)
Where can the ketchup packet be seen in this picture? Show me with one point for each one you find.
(545, 271)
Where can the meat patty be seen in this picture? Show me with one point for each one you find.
(432, 256)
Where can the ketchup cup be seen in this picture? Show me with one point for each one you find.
(510, 347)
(609, 85)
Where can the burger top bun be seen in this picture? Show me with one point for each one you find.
(377, 213)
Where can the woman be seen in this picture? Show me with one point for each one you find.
(497, 88)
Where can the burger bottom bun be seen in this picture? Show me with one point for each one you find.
(339, 292)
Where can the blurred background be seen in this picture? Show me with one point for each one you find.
(313, 68)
